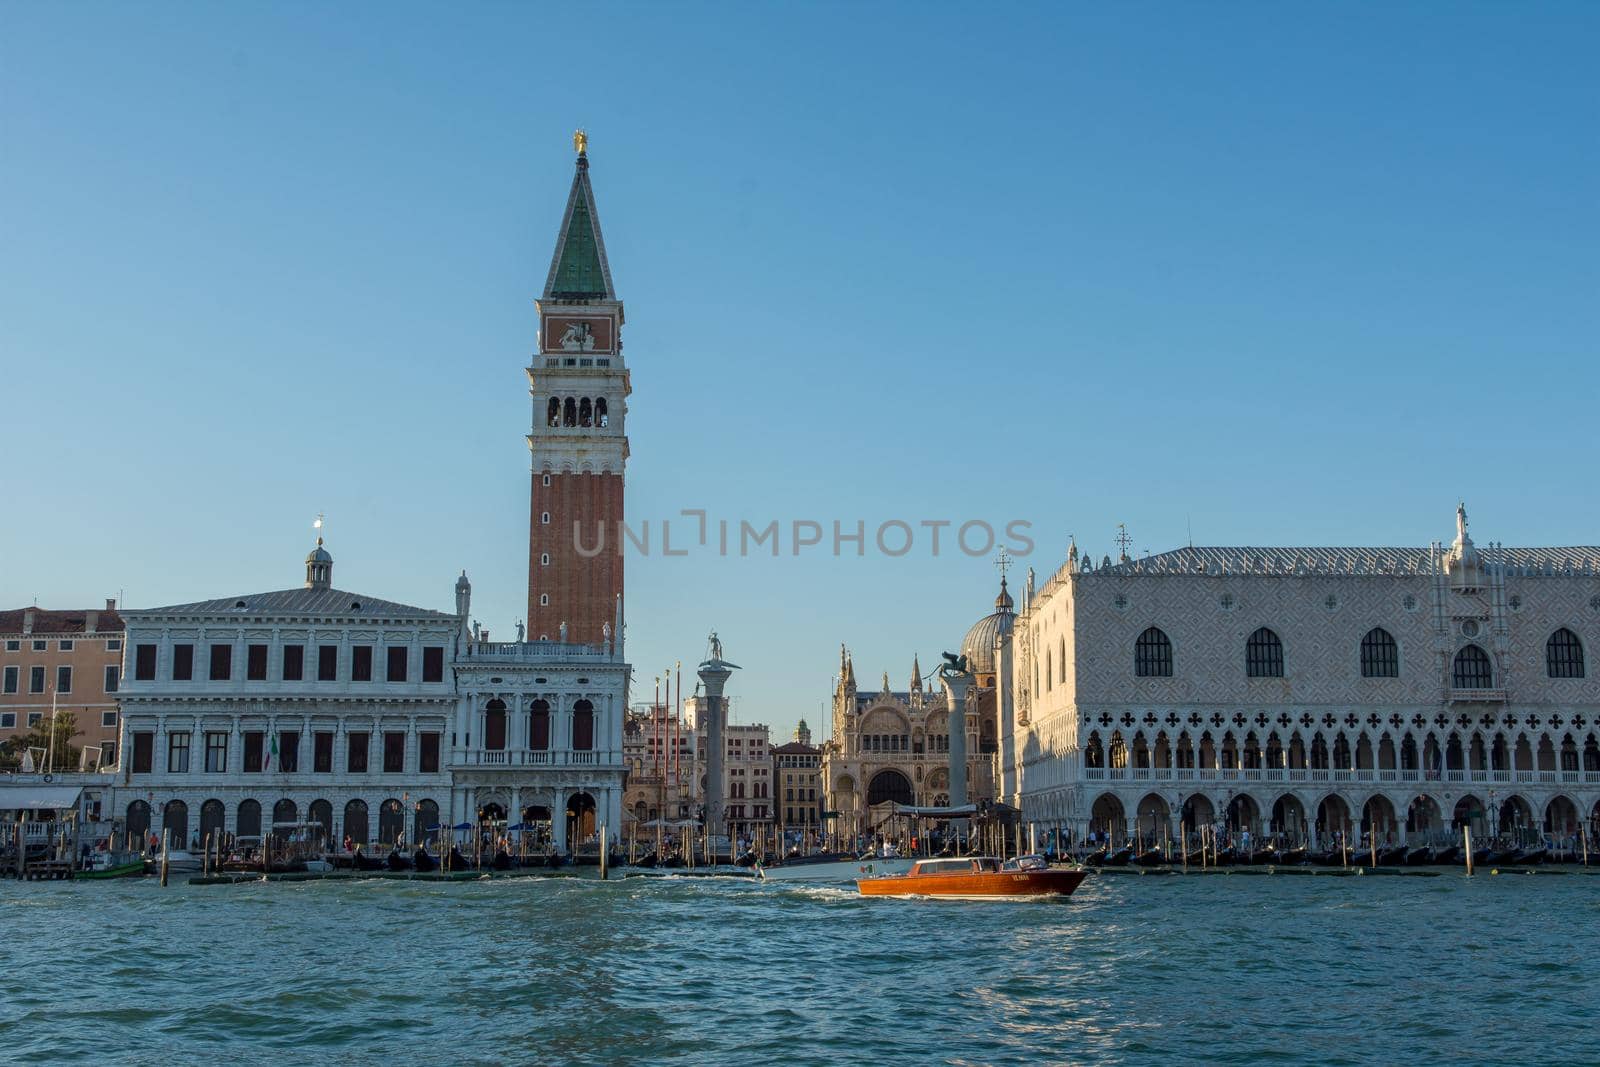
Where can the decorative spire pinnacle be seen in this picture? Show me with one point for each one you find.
(578, 271)
(916, 673)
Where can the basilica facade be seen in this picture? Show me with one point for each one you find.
(1309, 691)
(893, 746)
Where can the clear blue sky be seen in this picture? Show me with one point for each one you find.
(1290, 276)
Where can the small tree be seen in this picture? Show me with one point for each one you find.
(64, 725)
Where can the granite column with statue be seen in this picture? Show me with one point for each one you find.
(714, 674)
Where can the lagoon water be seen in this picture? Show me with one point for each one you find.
(1220, 968)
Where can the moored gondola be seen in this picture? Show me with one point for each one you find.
(1527, 857)
(1150, 857)
(1120, 858)
(1451, 855)
(1393, 856)
(1417, 857)
(1293, 857)
(1095, 859)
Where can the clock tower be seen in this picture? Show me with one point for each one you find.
(579, 384)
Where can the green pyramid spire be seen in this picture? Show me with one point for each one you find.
(579, 271)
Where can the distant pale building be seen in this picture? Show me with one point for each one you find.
(797, 795)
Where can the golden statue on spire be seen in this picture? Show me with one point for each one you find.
(580, 142)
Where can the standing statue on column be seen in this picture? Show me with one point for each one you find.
(521, 631)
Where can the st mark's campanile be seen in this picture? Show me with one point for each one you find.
(579, 386)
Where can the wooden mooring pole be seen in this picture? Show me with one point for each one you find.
(1466, 843)
(165, 837)
(605, 853)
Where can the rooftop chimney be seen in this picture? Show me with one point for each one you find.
(111, 603)
(27, 621)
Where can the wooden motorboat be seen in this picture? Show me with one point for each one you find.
(976, 878)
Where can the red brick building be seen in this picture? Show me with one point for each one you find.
(580, 387)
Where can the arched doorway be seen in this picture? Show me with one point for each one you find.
(1469, 814)
(1377, 816)
(284, 815)
(1153, 817)
(247, 820)
(138, 823)
(1333, 816)
(536, 821)
(1244, 814)
(1289, 817)
(1516, 819)
(322, 812)
(213, 817)
(1561, 819)
(887, 786)
(425, 826)
(355, 822)
(580, 818)
(1424, 817)
(175, 822)
(1198, 811)
(492, 814)
(391, 823)
(1106, 817)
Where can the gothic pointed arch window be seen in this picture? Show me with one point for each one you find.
(1263, 655)
(1061, 662)
(1152, 654)
(1380, 656)
(1472, 669)
(1563, 655)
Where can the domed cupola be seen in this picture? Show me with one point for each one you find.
(319, 568)
(978, 645)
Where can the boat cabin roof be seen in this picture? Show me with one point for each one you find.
(956, 865)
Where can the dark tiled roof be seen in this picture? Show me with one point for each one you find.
(299, 602)
(795, 748)
(60, 622)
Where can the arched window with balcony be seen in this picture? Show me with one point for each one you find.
(1472, 669)
(1380, 656)
(552, 414)
(600, 416)
(569, 412)
(494, 726)
(1563, 655)
(583, 726)
(539, 726)
(1263, 655)
(585, 412)
(1152, 654)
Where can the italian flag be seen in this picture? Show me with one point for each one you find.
(266, 763)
